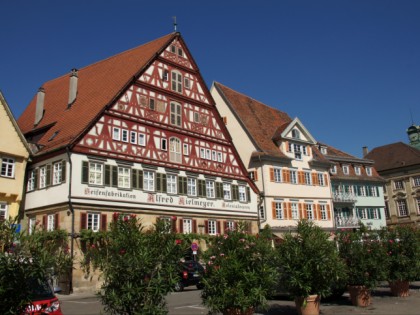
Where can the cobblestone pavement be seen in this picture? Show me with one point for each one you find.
(382, 304)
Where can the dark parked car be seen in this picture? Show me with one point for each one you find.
(191, 274)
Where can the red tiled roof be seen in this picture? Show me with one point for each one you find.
(394, 155)
(260, 120)
(98, 85)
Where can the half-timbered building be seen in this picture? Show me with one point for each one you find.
(137, 133)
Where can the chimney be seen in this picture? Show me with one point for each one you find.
(39, 110)
(365, 151)
(73, 87)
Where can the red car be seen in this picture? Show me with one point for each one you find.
(43, 300)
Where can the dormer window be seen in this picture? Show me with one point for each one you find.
(297, 149)
(346, 169)
(369, 171)
(333, 169)
(357, 170)
(324, 150)
(295, 134)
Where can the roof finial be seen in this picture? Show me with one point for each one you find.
(175, 25)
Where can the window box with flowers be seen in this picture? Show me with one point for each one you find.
(240, 272)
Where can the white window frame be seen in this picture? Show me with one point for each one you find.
(31, 225)
(3, 211)
(293, 177)
(308, 178)
(309, 211)
(278, 205)
(142, 139)
(96, 171)
(191, 186)
(57, 173)
(171, 184)
(321, 179)
(42, 177)
(202, 153)
(417, 201)
(277, 175)
(176, 114)
(213, 155)
(8, 167)
(369, 171)
(262, 212)
(227, 193)
(93, 221)
(187, 226)
(50, 222)
(210, 192)
(402, 208)
(294, 210)
(333, 169)
(133, 137)
(323, 210)
(230, 225)
(416, 181)
(346, 169)
(148, 180)
(124, 177)
(31, 181)
(357, 170)
(242, 193)
(212, 227)
(164, 144)
(399, 184)
(208, 154)
(219, 157)
(186, 149)
(116, 133)
(176, 81)
(175, 150)
(124, 135)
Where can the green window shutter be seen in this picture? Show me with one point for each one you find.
(115, 176)
(36, 178)
(107, 181)
(235, 192)
(48, 178)
(181, 190)
(379, 213)
(248, 194)
(63, 171)
(184, 184)
(134, 179)
(201, 188)
(219, 190)
(164, 183)
(158, 182)
(85, 172)
(140, 179)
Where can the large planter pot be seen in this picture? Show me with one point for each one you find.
(238, 311)
(360, 295)
(308, 305)
(400, 288)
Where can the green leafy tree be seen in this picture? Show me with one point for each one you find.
(27, 258)
(139, 266)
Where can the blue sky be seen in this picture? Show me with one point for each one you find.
(350, 70)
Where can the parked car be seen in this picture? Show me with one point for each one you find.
(191, 274)
(43, 299)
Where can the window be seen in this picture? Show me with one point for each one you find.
(362, 213)
(308, 178)
(212, 227)
(373, 191)
(142, 139)
(333, 169)
(175, 150)
(57, 173)
(321, 179)
(295, 134)
(324, 150)
(262, 212)
(32, 225)
(116, 133)
(277, 175)
(165, 75)
(357, 170)
(191, 187)
(297, 151)
(417, 200)
(213, 155)
(278, 211)
(227, 191)
(323, 210)
(163, 144)
(210, 189)
(167, 224)
(31, 180)
(230, 225)
(3, 211)
(176, 81)
(171, 181)
(346, 169)
(369, 171)
(196, 117)
(208, 154)
(133, 137)
(416, 181)
(399, 184)
(176, 114)
(42, 177)
(186, 149)
(95, 173)
(187, 226)
(152, 104)
(202, 153)
(242, 193)
(180, 52)
(219, 157)
(124, 177)
(124, 135)
(309, 211)
(8, 167)
(173, 49)
(149, 180)
(362, 191)
(50, 222)
(93, 221)
(293, 177)
(295, 212)
(187, 83)
(402, 208)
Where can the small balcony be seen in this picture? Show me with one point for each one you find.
(347, 222)
(344, 197)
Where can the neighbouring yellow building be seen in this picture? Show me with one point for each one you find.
(14, 154)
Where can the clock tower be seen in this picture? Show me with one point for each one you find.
(413, 133)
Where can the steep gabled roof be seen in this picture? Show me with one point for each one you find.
(394, 155)
(98, 86)
(260, 121)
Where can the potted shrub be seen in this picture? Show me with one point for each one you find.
(366, 262)
(310, 265)
(240, 272)
(403, 249)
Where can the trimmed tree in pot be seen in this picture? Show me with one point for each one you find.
(310, 265)
(366, 261)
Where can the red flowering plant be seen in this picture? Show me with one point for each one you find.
(402, 245)
(139, 266)
(365, 256)
(240, 271)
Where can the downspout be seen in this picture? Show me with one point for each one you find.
(263, 193)
(72, 220)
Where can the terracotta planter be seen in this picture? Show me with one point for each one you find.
(400, 288)
(237, 311)
(310, 307)
(360, 295)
